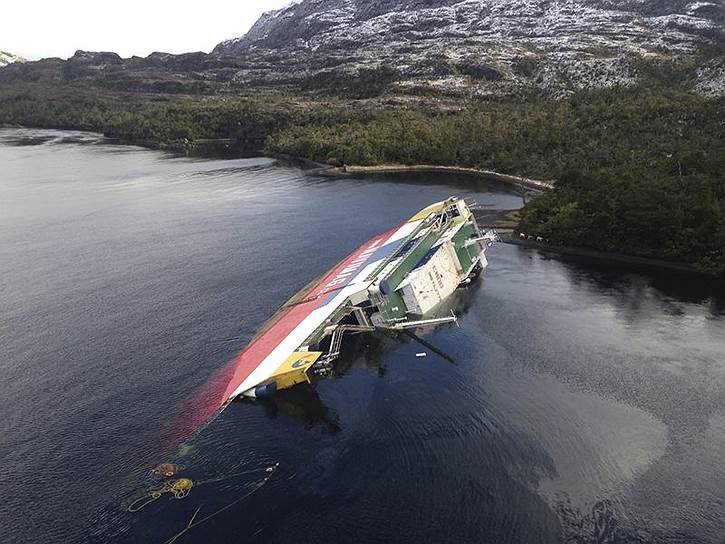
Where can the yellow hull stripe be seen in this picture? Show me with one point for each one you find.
(294, 369)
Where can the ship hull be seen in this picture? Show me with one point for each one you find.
(435, 250)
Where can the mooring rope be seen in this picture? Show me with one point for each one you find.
(178, 488)
(193, 523)
(181, 487)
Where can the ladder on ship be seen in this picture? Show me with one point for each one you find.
(336, 340)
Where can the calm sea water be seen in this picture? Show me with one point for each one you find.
(575, 403)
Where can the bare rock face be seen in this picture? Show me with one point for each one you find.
(452, 48)
(711, 78)
(474, 47)
(8, 58)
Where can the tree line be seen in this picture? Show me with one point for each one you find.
(637, 170)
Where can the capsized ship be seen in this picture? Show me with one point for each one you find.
(393, 281)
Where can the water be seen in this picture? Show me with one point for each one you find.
(575, 403)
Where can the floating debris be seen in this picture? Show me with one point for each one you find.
(167, 469)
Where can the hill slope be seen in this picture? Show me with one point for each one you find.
(469, 48)
(477, 47)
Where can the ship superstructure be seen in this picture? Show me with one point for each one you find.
(393, 281)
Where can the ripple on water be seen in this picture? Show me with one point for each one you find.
(576, 403)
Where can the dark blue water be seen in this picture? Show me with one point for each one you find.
(575, 403)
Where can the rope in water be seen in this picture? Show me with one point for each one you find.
(193, 523)
(181, 487)
(178, 488)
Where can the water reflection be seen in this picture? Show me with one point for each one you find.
(469, 182)
(301, 403)
(586, 403)
(637, 282)
(31, 137)
(370, 351)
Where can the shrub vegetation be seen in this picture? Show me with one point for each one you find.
(638, 171)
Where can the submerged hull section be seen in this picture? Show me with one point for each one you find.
(404, 272)
(297, 320)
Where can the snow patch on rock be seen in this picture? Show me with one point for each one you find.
(555, 46)
(7, 58)
(711, 78)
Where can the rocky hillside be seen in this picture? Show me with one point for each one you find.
(190, 73)
(469, 48)
(7, 58)
(480, 47)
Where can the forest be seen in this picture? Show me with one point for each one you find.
(637, 171)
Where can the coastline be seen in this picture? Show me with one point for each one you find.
(503, 219)
(609, 257)
(398, 168)
(498, 219)
(355, 170)
(301, 161)
(228, 146)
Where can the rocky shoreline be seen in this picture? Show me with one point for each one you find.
(422, 168)
(356, 170)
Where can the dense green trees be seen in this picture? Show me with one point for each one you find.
(638, 170)
(651, 216)
(153, 123)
